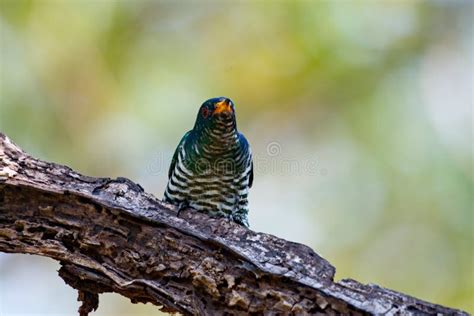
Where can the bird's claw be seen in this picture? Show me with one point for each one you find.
(182, 207)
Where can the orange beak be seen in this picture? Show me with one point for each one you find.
(223, 106)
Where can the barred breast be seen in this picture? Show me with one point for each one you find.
(217, 186)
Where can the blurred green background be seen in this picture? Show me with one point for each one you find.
(359, 114)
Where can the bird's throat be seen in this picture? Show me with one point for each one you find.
(218, 141)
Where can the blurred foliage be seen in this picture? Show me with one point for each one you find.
(369, 104)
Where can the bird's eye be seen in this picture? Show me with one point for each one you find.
(205, 112)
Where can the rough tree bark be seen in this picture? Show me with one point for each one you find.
(111, 236)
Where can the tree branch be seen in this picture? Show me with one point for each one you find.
(111, 236)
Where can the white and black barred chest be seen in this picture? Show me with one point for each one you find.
(213, 176)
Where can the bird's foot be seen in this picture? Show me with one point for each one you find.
(182, 206)
(241, 219)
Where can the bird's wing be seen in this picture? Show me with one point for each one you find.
(247, 148)
(251, 175)
(176, 153)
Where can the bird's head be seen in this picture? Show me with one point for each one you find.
(216, 114)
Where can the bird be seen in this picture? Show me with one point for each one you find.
(212, 167)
